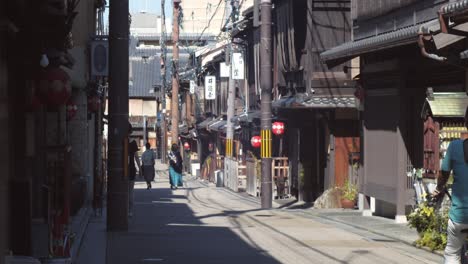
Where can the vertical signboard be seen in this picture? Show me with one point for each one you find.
(237, 66)
(224, 70)
(210, 88)
(192, 87)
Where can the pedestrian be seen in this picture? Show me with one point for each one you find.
(456, 160)
(175, 168)
(147, 160)
(133, 163)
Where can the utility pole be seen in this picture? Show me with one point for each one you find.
(117, 198)
(175, 74)
(266, 87)
(231, 89)
(162, 43)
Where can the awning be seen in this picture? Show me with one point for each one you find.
(208, 53)
(401, 37)
(448, 104)
(183, 128)
(191, 134)
(204, 123)
(218, 126)
(246, 117)
(326, 102)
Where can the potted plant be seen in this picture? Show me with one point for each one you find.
(349, 194)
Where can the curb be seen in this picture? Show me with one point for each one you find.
(377, 233)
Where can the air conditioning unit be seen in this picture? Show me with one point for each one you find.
(99, 58)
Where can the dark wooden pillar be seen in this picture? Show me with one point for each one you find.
(4, 141)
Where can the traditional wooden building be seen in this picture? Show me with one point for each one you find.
(402, 53)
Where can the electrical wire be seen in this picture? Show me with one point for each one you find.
(209, 21)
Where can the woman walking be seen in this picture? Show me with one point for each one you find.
(175, 169)
(147, 158)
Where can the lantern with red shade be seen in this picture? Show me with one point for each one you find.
(256, 141)
(186, 146)
(72, 108)
(54, 86)
(278, 128)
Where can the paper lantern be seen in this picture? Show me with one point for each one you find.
(186, 146)
(54, 86)
(72, 108)
(256, 141)
(278, 128)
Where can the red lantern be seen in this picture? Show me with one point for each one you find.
(186, 146)
(256, 141)
(93, 103)
(55, 86)
(278, 128)
(72, 108)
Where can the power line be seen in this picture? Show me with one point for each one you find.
(209, 21)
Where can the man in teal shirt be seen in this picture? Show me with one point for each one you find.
(458, 217)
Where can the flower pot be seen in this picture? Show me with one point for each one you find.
(347, 204)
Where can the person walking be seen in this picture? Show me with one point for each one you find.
(456, 160)
(147, 159)
(175, 168)
(133, 163)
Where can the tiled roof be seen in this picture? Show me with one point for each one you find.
(455, 7)
(343, 101)
(383, 41)
(448, 104)
(182, 36)
(144, 74)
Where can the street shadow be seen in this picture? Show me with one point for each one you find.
(165, 230)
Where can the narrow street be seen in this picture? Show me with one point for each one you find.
(204, 224)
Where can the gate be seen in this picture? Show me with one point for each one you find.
(280, 175)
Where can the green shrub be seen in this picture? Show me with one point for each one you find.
(349, 191)
(431, 226)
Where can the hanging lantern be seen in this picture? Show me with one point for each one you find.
(278, 128)
(256, 141)
(94, 102)
(186, 146)
(72, 108)
(54, 86)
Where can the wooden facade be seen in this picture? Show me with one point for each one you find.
(313, 132)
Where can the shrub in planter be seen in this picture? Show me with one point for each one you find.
(431, 226)
(349, 193)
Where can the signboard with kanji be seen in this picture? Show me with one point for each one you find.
(224, 70)
(237, 66)
(210, 88)
(192, 87)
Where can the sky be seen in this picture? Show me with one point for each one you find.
(150, 6)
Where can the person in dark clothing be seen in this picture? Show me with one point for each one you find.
(133, 162)
(175, 169)
(147, 159)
